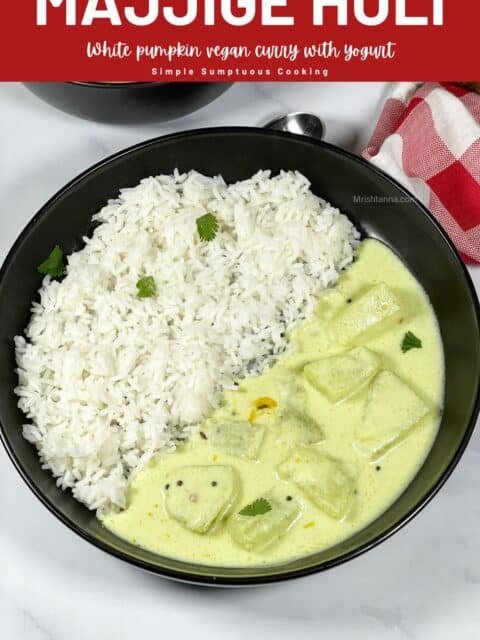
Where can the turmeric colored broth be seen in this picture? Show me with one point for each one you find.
(350, 429)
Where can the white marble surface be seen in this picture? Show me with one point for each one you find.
(424, 583)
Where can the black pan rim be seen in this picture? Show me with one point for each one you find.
(127, 85)
(102, 84)
(188, 576)
(115, 86)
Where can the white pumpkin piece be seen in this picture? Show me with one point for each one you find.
(392, 410)
(295, 425)
(327, 481)
(299, 428)
(235, 437)
(338, 376)
(257, 532)
(198, 497)
(366, 316)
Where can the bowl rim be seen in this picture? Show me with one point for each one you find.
(189, 576)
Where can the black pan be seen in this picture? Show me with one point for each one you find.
(128, 102)
(343, 179)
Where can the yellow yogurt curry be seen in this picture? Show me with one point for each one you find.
(305, 455)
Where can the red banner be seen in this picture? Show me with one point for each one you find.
(235, 40)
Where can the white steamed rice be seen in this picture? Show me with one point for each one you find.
(107, 379)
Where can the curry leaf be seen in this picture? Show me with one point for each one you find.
(256, 508)
(54, 265)
(207, 227)
(147, 287)
(410, 341)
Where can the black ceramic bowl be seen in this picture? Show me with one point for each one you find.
(128, 102)
(236, 153)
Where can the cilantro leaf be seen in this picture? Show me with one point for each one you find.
(54, 265)
(147, 287)
(410, 341)
(256, 508)
(207, 227)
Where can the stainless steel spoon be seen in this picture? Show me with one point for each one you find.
(299, 123)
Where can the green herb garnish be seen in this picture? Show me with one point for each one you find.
(54, 265)
(207, 227)
(257, 508)
(410, 341)
(146, 287)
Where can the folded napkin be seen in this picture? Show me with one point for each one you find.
(428, 138)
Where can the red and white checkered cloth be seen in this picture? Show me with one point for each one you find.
(428, 138)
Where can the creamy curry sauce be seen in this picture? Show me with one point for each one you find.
(331, 441)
